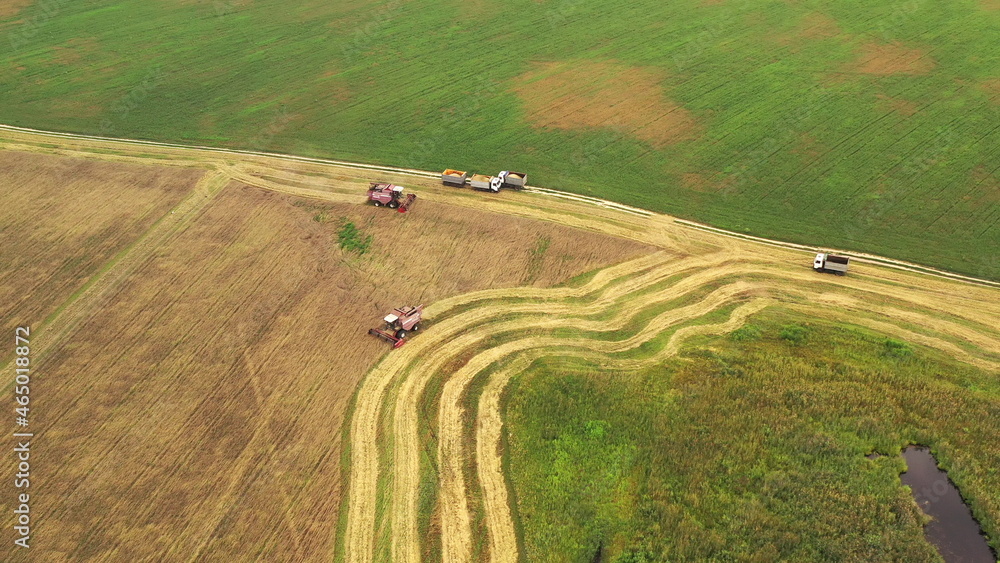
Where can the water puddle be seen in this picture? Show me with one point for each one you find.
(953, 531)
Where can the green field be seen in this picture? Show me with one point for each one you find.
(850, 124)
(754, 450)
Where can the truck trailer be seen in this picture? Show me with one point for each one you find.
(831, 263)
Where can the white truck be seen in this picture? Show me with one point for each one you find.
(831, 263)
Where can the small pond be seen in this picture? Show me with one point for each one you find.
(953, 531)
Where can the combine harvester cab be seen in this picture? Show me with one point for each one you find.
(391, 196)
(399, 324)
(831, 263)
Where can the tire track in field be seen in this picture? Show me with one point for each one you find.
(103, 284)
(23, 138)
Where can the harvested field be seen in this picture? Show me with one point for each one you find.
(225, 363)
(417, 364)
(589, 94)
(236, 350)
(63, 219)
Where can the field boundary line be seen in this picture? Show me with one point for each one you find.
(858, 256)
(598, 202)
(74, 310)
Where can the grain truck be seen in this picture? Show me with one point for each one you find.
(831, 263)
(454, 178)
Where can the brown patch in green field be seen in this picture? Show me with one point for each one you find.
(886, 59)
(212, 387)
(808, 148)
(11, 8)
(903, 107)
(992, 89)
(73, 51)
(587, 94)
(990, 5)
(64, 218)
(707, 182)
(987, 187)
(814, 25)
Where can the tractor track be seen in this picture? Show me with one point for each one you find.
(100, 287)
(946, 311)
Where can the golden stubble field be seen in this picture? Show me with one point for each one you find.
(62, 219)
(197, 406)
(195, 409)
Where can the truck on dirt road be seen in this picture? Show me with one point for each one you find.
(505, 179)
(831, 263)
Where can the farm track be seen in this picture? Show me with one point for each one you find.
(949, 312)
(103, 285)
(22, 138)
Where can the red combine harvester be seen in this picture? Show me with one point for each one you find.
(398, 323)
(390, 196)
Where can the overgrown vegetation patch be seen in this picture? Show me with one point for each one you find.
(752, 449)
(353, 239)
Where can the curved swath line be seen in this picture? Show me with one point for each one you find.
(359, 541)
(453, 337)
(489, 427)
(406, 460)
(456, 528)
(503, 545)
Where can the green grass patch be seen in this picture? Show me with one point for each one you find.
(751, 449)
(350, 237)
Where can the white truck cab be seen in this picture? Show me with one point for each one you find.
(818, 262)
